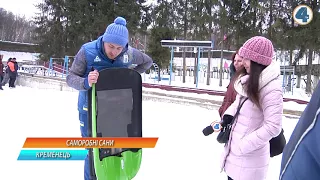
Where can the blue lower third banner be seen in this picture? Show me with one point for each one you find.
(52, 155)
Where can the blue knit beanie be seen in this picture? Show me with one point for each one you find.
(117, 32)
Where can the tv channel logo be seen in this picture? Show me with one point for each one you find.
(302, 14)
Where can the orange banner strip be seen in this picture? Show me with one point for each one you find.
(90, 142)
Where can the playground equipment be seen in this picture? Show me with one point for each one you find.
(287, 82)
(65, 69)
(66, 64)
(182, 43)
(155, 76)
(50, 67)
(156, 70)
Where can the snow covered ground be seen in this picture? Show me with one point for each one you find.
(21, 56)
(182, 152)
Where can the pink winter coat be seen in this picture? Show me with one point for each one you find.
(247, 154)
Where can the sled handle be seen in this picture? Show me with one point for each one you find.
(94, 130)
(94, 110)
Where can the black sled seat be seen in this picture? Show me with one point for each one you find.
(119, 108)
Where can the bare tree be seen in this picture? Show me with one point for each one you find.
(15, 28)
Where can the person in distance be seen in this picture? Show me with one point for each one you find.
(229, 97)
(231, 94)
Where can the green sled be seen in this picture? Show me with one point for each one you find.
(124, 167)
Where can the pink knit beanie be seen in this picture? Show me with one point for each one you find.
(258, 49)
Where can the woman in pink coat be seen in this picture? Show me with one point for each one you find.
(247, 153)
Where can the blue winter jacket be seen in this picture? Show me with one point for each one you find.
(301, 156)
(92, 55)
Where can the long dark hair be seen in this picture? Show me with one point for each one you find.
(252, 85)
(232, 63)
(232, 67)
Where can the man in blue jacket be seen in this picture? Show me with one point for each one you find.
(111, 50)
(301, 156)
